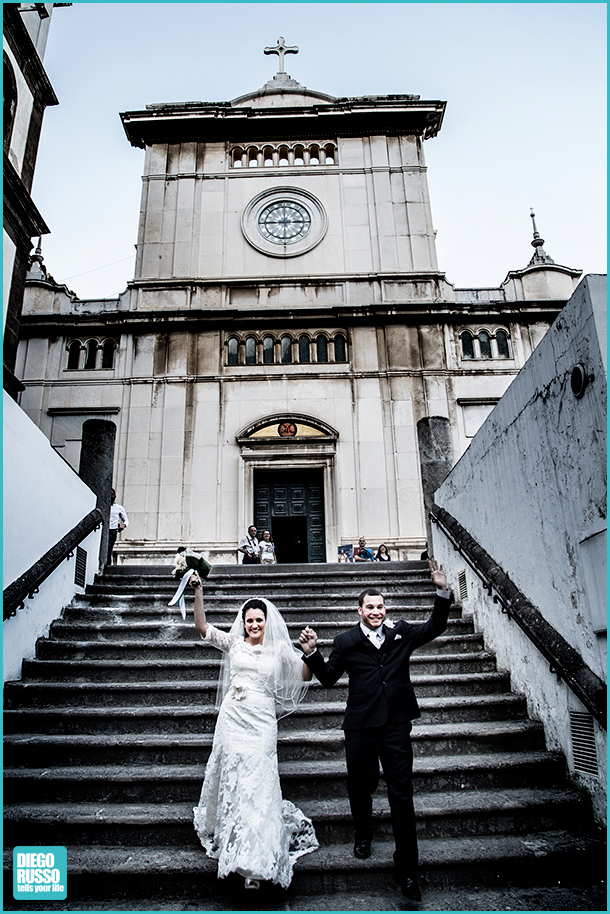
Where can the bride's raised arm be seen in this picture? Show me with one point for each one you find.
(200, 621)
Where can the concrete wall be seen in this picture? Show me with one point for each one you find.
(531, 489)
(43, 500)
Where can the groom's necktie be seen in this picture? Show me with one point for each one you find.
(377, 637)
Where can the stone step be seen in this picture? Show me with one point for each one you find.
(122, 612)
(124, 873)
(195, 649)
(98, 670)
(300, 780)
(231, 569)
(202, 718)
(308, 608)
(439, 815)
(105, 629)
(293, 745)
(37, 694)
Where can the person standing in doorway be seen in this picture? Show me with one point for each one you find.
(118, 522)
(266, 549)
(381, 704)
(248, 545)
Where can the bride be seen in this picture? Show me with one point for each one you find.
(241, 818)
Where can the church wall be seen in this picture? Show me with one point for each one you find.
(377, 220)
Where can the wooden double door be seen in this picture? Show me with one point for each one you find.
(291, 506)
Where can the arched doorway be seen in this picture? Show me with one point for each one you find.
(288, 484)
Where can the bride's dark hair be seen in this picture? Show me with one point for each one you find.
(253, 604)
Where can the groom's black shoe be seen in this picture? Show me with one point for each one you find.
(410, 889)
(362, 848)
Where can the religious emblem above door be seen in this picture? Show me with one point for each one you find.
(287, 427)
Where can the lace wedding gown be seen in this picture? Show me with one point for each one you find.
(241, 818)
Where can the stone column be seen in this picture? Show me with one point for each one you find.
(95, 469)
(435, 459)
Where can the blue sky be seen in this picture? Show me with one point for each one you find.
(525, 123)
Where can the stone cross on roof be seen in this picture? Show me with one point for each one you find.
(280, 50)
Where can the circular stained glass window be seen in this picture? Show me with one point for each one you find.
(284, 222)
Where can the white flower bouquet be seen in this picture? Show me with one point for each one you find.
(186, 561)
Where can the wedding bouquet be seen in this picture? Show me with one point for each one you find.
(187, 560)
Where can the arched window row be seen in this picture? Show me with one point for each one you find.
(283, 154)
(485, 345)
(91, 354)
(286, 349)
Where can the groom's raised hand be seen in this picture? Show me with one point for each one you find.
(308, 640)
(437, 574)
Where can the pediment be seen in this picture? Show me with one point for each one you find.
(286, 427)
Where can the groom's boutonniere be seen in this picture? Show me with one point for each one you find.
(389, 624)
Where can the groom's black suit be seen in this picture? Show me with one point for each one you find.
(381, 704)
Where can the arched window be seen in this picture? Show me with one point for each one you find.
(10, 99)
(108, 350)
(73, 354)
(299, 155)
(232, 351)
(485, 344)
(322, 349)
(467, 347)
(236, 156)
(283, 150)
(252, 157)
(91, 354)
(314, 154)
(329, 154)
(502, 343)
(268, 350)
(250, 351)
(268, 155)
(286, 350)
(340, 349)
(303, 348)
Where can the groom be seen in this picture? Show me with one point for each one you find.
(381, 704)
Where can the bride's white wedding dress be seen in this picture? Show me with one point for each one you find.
(241, 818)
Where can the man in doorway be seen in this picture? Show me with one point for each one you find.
(248, 545)
(381, 704)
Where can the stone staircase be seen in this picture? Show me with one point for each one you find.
(107, 734)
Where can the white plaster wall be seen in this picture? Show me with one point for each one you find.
(549, 700)
(531, 490)
(43, 500)
(535, 472)
(43, 496)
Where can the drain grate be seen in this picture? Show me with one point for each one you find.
(80, 567)
(584, 751)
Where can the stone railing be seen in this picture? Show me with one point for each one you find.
(564, 660)
(28, 584)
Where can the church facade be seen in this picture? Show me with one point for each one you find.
(288, 347)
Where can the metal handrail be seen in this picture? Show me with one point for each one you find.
(565, 661)
(29, 583)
